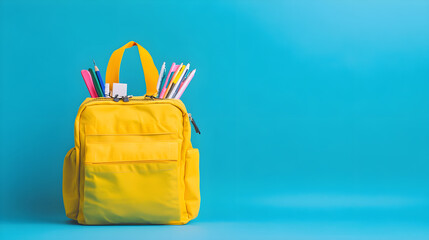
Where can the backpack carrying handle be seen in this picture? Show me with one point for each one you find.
(149, 69)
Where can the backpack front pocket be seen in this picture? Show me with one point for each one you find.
(131, 180)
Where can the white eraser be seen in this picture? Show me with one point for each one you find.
(119, 89)
(106, 89)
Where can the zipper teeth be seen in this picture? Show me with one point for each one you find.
(130, 99)
(105, 99)
(136, 161)
(174, 102)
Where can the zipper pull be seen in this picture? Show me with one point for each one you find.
(127, 98)
(197, 130)
(151, 97)
(116, 99)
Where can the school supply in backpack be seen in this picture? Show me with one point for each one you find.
(99, 78)
(132, 161)
(89, 83)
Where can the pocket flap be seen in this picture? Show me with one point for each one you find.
(98, 151)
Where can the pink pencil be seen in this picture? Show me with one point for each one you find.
(173, 68)
(185, 84)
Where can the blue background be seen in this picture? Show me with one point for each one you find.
(314, 114)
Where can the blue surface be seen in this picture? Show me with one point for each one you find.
(314, 114)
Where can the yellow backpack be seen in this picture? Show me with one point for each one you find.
(133, 162)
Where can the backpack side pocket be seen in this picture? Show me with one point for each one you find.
(70, 185)
(192, 182)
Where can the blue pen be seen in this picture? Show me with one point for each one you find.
(100, 80)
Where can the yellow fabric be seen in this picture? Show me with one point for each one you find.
(133, 163)
(70, 185)
(149, 69)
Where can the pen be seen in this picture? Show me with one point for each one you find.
(161, 78)
(185, 84)
(173, 79)
(181, 84)
(174, 88)
(164, 88)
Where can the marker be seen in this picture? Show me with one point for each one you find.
(181, 84)
(172, 70)
(161, 78)
(174, 79)
(185, 84)
(100, 79)
(167, 81)
(178, 81)
(89, 84)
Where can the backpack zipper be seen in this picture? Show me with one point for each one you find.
(197, 130)
(124, 99)
(149, 98)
